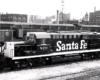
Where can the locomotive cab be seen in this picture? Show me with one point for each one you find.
(41, 40)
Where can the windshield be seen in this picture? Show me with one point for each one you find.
(31, 39)
(43, 41)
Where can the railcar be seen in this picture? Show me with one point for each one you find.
(40, 48)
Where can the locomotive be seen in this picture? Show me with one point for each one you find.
(39, 48)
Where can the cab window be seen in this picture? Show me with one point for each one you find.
(31, 39)
(43, 41)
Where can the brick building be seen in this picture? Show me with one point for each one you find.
(86, 17)
(94, 18)
(64, 17)
(14, 17)
(39, 19)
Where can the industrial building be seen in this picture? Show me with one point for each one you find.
(94, 18)
(14, 17)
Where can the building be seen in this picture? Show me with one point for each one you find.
(86, 17)
(0, 16)
(50, 19)
(72, 21)
(34, 19)
(94, 18)
(64, 17)
(30, 18)
(39, 19)
(14, 17)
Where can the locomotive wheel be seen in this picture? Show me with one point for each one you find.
(48, 61)
(85, 56)
(92, 56)
(96, 55)
(18, 66)
(1, 67)
(15, 66)
(89, 56)
(30, 64)
(82, 56)
(36, 62)
(42, 61)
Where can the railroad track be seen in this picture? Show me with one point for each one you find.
(54, 64)
(76, 76)
(56, 71)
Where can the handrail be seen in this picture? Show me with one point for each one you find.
(11, 53)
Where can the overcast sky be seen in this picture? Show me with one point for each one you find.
(77, 8)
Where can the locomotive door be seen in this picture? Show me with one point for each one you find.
(43, 45)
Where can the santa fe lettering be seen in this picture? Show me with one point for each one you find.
(83, 44)
(70, 46)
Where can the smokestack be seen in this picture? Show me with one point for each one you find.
(57, 17)
(94, 9)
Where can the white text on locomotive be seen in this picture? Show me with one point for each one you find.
(70, 46)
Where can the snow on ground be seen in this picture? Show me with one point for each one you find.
(40, 73)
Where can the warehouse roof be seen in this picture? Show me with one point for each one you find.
(26, 23)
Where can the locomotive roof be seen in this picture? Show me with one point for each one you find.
(40, 35)
(41, 24)
(65, 33)
(76, 33)
(90, 26)
(16, 42)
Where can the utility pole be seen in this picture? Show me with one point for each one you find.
(62, 9)
(57, 19)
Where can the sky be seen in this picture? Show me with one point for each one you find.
(77, 8)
